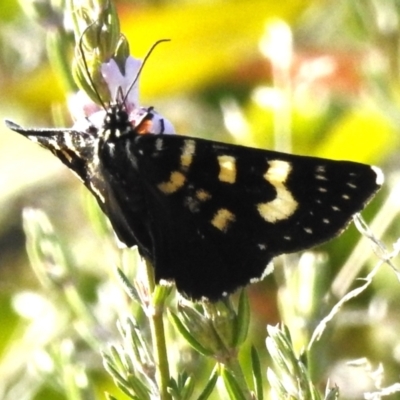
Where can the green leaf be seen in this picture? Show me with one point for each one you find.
(205, 394)
(127, 285)
(188, 336)
(182, 388)
(242, 320)
(257, 374)
(46, 254)
(232, 386)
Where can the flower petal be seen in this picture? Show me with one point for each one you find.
(117, 82)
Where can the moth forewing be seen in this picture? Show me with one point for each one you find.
(210, 216)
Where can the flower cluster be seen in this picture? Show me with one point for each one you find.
(123, 87)
(105, 72)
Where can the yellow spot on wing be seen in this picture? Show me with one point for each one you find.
(227, 169)
(203, 195)
(194, 202)
(177, 178)
(175, 182)
(284, 205)
(222, 219)
(188, 149)
(277, 172)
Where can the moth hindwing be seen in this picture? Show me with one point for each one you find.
(210, 216)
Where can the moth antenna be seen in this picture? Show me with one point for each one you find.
(87, 68)
(143, 63)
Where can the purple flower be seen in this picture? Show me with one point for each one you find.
(123, 88)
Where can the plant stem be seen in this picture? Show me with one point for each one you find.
(236, 370)
(155, 316)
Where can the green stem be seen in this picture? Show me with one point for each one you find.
(236, 370)
(158, 338)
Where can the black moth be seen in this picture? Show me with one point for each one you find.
(209, 216)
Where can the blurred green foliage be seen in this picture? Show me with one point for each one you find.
(212, 80)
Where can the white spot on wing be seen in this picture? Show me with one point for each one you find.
(164, 282)
(268, 270)
(308, 230)
(68, 142)
(159, 144)
(96, 190)
(380, 178)
(193, 202)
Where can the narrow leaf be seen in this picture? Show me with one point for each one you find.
(257, 374)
